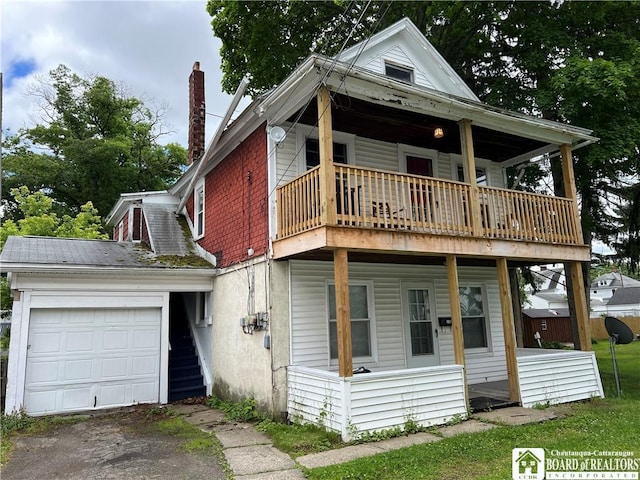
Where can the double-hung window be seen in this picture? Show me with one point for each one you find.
(474, 317)
(481, 175)
(361, 309)
(199, 211)
(312, 153)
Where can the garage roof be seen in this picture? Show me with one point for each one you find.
(28, 253)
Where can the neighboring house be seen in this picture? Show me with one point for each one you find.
(624, 302)
(551, 288)
(358, 216)
(605, 286)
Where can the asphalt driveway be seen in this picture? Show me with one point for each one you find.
(118, 445)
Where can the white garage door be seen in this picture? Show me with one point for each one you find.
(80, 359)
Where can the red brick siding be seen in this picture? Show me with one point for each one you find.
(125, 227)
(236, 204)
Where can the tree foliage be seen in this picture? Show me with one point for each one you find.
(572, 62)
(39, 219)
(92, 143)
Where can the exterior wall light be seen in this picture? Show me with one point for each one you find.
(438, 132)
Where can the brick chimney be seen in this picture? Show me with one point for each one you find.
(196, 113)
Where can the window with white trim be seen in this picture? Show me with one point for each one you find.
(344, 148)
(362, 323)
(398, 72)
(474, 317)
(199, 211)
(312, 152)
(481, 175)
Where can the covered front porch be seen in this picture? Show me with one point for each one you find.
(401, 327)
(374, 401)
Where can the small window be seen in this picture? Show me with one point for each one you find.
(481, 175)
(399, 73)
(474, 321)
(360, 321)
(199, 211)
(312, 153)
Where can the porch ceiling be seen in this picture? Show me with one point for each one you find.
(395, 125)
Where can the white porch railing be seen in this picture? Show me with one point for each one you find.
(558, 377)
(376, 401)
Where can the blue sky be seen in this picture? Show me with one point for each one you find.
(149, 47)
(19, 68)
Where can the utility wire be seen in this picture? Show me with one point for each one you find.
(326, 75)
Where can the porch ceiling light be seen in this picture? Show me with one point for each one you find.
(438, 132)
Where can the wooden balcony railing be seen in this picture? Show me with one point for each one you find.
(367, 198)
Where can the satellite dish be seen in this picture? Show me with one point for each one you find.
(621, 334)
(618, 330)
(277, 134)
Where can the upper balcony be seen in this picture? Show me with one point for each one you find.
(368, 210)
(376, 210)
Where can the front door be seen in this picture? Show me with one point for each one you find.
(421, 333)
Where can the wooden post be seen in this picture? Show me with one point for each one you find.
(508, 329)
(517, 307)
(343, 312)
(570, 192)
(456, 317)
(580, 299)
(469, 166)
(327, 170)
(575, 268)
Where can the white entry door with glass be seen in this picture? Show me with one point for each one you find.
(421, 333)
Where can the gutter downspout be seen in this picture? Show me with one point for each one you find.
(214, 142)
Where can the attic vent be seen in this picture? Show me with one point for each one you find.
(404, 74)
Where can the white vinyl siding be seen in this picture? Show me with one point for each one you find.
(375, 401)
(557, 377)
(367, 153)
(308, 315)
(397, 56)
(376, 154)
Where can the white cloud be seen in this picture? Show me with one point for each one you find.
(148, 46)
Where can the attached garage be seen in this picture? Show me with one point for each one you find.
(78, 359)
(90, 323)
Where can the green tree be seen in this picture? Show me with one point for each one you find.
(39, 219)
(573, 62)
(92, 143)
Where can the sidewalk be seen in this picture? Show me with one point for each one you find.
(251, 456)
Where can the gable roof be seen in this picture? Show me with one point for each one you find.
(281, 104)
(614, 279)
(166, 233)
(626, 296)
(39, 254)
(404, 44)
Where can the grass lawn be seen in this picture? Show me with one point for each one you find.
(609, 424)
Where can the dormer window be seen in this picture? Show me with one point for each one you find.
(404, 74)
